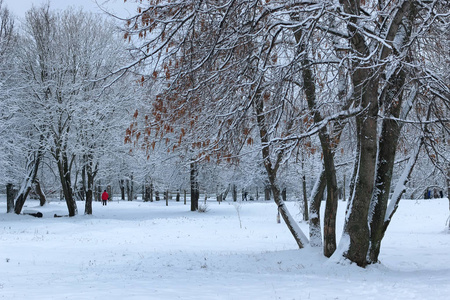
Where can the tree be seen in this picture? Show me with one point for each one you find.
(240, 72)
(8, 42)
(65, 60)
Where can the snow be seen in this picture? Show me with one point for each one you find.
(136, 250)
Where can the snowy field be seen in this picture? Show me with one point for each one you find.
(136, 250)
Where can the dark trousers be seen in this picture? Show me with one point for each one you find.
(104, 202)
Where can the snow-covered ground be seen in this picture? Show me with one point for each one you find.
(136, 250)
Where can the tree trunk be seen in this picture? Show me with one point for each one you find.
(90, 186)
(9, 198)
(305, 196)
(147, 193)
(33, 166)
(315, 230)
(151, 192)
(84, 183)
(271, 170)
(267, 192)
(390, 133)
(392, 97)
(328, 155)
(122, 189)
(65, 178)
(40, 193)
(356, 226)
(130, 188)
(284, 194)
(195, 193)
(89, 194)
(296, 232)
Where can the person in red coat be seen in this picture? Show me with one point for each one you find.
(105, 197)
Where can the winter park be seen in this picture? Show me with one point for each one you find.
(217, 149)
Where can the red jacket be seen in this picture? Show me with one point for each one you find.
(105, 196)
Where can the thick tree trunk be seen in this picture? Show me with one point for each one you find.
(365, 89)
(356, 226)
(390, 133)
(392, 97)
(65, 178)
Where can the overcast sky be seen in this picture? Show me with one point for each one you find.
(19, 7)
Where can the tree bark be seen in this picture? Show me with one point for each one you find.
(65, 179)
(315, 230)
(122, 189)
(195, 193)
(33, 166)
(91, 173)
(147, 193)
(356, 226)
(271, 170)
(130, 188)
(9, 198)
(389, 136)
(392, 97)
(234, 193)
(42, 198)
(328, 155)
(305, 195)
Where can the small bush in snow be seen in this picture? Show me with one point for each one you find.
(203, 208)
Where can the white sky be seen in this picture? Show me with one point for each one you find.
(19, 7)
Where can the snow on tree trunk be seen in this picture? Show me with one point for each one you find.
(356, 225)
(40, 193)
(388, 141)
(315, 230)
(32, 166)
